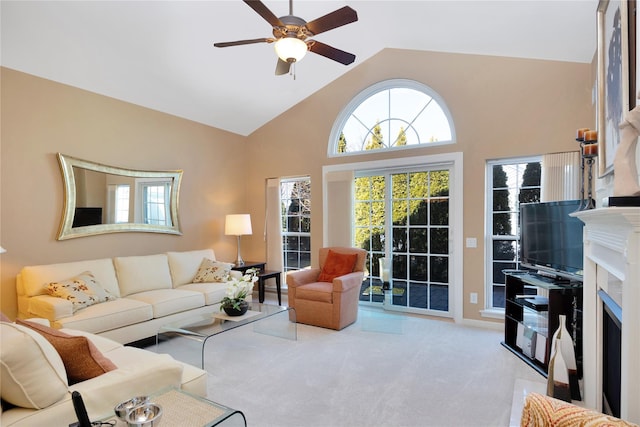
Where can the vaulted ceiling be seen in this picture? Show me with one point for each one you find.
(160, 54)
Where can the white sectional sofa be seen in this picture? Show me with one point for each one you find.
(151, 290)
(36, 391)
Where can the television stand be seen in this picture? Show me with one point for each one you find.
(532, 305)
(550, 278)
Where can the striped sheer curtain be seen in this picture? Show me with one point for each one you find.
(273, 226)
(560, 178)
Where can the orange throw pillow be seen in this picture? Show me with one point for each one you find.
(337, 265)
(81, 358)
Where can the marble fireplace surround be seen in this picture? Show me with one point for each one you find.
(612, 265)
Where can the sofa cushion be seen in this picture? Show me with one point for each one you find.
(184, 265)
(212, 271)
(213, 292)
(142, 273)
(337, 265)
(107, 316)
(82, 290)
(35, 278)
(81, 359)
(168, 301)
(32, 374)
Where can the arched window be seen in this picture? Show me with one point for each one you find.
(393, 114)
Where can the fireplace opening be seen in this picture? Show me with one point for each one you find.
(611, 355)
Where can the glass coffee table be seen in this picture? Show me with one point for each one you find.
(180, 408)
(267, 319)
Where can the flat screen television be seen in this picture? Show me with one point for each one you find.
(87, 216)
(550, 239)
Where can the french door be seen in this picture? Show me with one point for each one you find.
(403, 216)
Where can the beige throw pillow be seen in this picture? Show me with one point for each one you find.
(212, 271)
(82, 290)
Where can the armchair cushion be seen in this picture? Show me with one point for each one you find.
(336, 265)
(81, 359)
(317, 291)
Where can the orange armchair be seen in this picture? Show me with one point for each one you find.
(328, 304)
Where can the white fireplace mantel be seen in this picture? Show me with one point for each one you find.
(612, 264)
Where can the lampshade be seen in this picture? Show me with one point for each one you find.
(290, 49)
(237, 225)
(2, 250)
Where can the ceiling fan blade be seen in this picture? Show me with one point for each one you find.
(330, 52)
(264, 11)
(282, 67)
(241, 42)
(332, 20)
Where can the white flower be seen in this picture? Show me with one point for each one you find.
(239, 289)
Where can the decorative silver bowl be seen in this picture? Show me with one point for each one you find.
(123, 408)
(145, 415)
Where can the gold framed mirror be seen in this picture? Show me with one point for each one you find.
(101, 199)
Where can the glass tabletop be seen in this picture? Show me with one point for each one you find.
(266, 319)
(210, 324)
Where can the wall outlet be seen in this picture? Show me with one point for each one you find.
(472, 242)
(473, 298)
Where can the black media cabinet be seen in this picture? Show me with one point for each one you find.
(532, 305)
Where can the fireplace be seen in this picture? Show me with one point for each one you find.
(611, 318)
(611, 354)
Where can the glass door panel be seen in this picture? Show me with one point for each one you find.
(412, 208)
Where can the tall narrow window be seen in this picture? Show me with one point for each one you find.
(122, 203)
(510, 182)
(295, 197)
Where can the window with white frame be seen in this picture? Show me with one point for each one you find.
(393, 114)
(509, 183)
(122, 204)
(295, 198)
(153, 202)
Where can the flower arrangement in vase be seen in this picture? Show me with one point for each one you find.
(234, 303)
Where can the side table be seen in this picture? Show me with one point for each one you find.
(263, 275)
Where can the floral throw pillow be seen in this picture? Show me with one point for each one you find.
(82, 290)
(212, 271)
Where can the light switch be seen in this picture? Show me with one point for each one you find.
(472, 242)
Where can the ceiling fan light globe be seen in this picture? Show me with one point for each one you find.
(290, 49)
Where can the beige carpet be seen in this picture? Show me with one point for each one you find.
(385, 370)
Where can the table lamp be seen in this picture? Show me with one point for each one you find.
(238, 225)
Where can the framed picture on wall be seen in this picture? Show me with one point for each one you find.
(613, 77)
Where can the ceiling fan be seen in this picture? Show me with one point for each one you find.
(291, 33)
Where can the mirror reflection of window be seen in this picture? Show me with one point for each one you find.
(122, 204)
(155, 203)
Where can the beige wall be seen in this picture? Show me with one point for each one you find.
(41, 118)
(501, 108)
